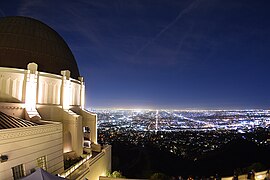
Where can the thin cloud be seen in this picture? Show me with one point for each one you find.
(66, 17)
(74, 18)
(26, 6)
(2, 13)
(178, 17)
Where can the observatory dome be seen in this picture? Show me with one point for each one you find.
(24, 40)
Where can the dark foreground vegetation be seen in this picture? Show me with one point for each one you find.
(237, 156)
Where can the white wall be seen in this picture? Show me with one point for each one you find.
(95, 167)
(13, 109)
(72, 123)
(100, 166)
(25, 145)
(49, 87)
(75, 93)
(11, 85)
(90, 120)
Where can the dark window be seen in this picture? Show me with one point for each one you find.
(18, 172)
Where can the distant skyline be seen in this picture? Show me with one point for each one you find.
(168, 54)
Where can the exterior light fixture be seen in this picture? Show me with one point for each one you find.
(3, 158)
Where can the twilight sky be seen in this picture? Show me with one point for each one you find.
(205, 54)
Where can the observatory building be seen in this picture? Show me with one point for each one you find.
(43, 122)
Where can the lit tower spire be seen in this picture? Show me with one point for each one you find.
(157, 121)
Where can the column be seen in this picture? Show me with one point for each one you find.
(82, 92)
(31, 87)
(66, 89)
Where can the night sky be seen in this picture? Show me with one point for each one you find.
(195, 54)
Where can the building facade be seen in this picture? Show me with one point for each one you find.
(48, 92)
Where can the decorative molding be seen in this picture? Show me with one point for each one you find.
(11, 107)
(28, 131)
(12, 70)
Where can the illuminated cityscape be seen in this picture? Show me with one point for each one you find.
(173, 129)
(179, 120)
(189, 134)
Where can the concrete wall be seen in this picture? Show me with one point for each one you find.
(99, 165)
(25, 145)
(13, 109)
(46, 96)
(90, 120)
(12, 85)
(50, 112)
(75, 98)
(72, 126)
(32, 94)
(49, 87)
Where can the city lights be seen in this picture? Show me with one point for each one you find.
(186, 133)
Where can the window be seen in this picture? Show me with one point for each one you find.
(86, 129)
(86, 133)
(18, 172)
(41, 162)
(87, 144)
